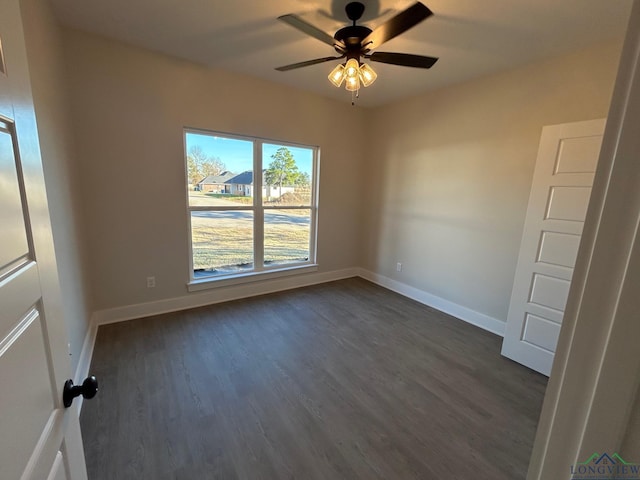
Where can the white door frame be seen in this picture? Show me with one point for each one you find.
(596, 371)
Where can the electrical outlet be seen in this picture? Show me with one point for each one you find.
(151, 282)
(398, 267)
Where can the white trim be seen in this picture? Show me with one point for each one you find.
(257, 208)
(242, 136)
(478, 319)
(207, 283)
(223, 294)
(84, 361)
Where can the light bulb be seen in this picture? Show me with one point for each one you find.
(337, 75)
(367, 74)
(352, 68)
(353, 83)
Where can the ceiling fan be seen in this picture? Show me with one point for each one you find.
(356, 42)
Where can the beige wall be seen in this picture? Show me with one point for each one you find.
(450, 173)
(130, 106)
(45, 56)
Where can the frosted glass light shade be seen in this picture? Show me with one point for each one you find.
(337, 75)
(352, 68)
(367, 74)
(353, 83)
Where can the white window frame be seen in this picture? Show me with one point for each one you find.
(259, 271)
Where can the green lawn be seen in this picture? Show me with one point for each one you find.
(226, 244)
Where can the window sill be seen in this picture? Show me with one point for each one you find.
(243, 278)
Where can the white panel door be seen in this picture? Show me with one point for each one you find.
(39, 438)
(562, 180)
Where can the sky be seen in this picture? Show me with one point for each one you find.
(237, 154)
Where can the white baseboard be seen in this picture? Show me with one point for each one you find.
(84, 361)
(218, 295)
(478, 319)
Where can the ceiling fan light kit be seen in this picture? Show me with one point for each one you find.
(357, 41)
(354, 74)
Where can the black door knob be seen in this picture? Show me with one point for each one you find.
(88, 389)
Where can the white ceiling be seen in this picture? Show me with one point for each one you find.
(471, 37)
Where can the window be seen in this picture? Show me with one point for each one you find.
(243, 223)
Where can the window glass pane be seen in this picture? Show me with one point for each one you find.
(219, 170)
(286, 236)
(222, 242)
(288, 175)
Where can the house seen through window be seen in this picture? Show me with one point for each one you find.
(252, 204)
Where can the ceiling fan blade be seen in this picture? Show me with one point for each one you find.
(397, 25)
(311, 30)
(307, 63)
(403, 59)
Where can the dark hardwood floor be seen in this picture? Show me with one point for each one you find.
(344, 380)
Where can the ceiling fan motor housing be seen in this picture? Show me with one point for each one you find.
(352, 37)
